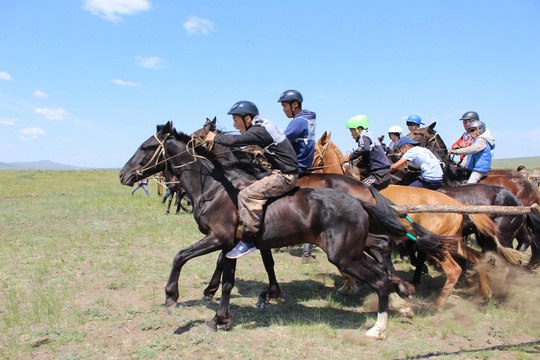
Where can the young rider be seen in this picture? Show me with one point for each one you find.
(479, 153)
(301, 128)
(370, 151)
(413, 122)
(430, 167)
(280, 154)
(301, 134)
(394, 133)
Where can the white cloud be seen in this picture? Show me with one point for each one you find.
(53, 113)
(31, 133)
(196, 25)
(40, 94)
(5, 76)
(112, 10)
(151, 62)
(125, 83)
(7, 122)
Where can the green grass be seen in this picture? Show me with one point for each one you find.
(83, 265)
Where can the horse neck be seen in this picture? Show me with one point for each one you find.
(437, 146)
(332, 160)
(196, 173)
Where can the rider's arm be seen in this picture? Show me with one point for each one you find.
(398, 164)
(479, 145)
(364, 146)
(254, 136)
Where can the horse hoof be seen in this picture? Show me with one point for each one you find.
(211, 326)
(261, 304)
(170, 304)
(375, 333)
(208, 297)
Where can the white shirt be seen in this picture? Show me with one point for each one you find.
(426, 161)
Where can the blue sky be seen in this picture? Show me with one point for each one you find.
(85, 82)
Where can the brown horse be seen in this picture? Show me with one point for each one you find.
(512, 180)
(335, 222)
(450, 224)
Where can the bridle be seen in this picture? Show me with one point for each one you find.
(318, 161)
(160, 152)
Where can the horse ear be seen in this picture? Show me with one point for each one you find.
(214, 120)
(329, 135)
(322, 140)
(432, 126)
(167, 127)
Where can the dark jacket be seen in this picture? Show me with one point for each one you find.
(372, 153)
(277, 149)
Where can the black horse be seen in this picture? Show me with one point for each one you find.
(335, 222)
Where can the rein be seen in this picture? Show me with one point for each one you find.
(160, 151)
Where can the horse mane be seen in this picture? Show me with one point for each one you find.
(336, 150)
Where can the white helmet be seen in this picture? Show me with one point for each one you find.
(395, 129)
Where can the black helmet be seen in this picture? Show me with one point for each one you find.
(244, 108)
(470, 115)
(289, 96)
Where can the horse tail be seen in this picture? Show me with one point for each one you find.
(487, 227)
(383, 215)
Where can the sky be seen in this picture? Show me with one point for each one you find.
(85, 82)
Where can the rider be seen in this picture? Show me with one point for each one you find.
(422, 158)
(301, 134)
(394, 133)
(479, 152)
(301, 129)
(370, 151)
(414, 122)
(278, 151)
(465, 139)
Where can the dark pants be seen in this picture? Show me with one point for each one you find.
(432, 185)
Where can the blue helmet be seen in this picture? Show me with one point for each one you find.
(289, 96)
(244, 108)
(406, 140)
(415, 119)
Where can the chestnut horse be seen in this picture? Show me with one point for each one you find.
(450, 224)
(512, 180)
(332, 220)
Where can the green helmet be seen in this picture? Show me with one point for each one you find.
(357, 121)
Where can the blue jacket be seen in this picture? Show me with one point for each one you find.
(301, 134)
(480, 161)
(479, 153)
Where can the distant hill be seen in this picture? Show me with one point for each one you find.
(530, 162)
(37, 165)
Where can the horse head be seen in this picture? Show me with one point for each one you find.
(149, 158)
(430, 139)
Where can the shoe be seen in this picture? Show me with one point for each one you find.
(241, 249)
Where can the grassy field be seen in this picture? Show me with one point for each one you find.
(83, 265)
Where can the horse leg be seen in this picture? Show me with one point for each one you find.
(224, 318)
(419, 264)
(273, 291)
(170, 202)
(213, 285)
(374, 274)
(452, 270)
(473, 256)
(206, 245)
